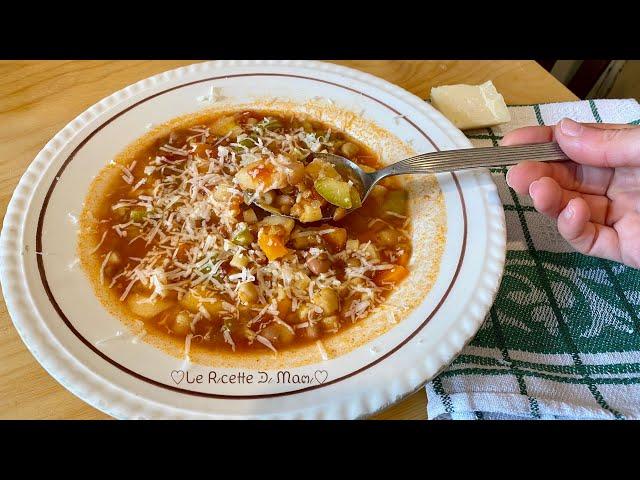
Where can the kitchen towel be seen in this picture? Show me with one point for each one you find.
(562, 340)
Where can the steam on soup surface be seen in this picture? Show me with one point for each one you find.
(185, 250)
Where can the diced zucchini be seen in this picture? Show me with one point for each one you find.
(396, 202)
(137, 215)
(243, 238)
(273, 124)
(336, 192)
(356, 202)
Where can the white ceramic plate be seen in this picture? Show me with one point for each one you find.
(61, 322)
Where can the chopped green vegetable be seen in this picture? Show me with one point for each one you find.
(336, 192)
(247, 142)
(396, 202)
(273, 124)
(356, 202)
(243, 238)
(137, 215)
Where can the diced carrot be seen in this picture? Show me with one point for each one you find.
(392, 275)
(272, 246)
(404, 257)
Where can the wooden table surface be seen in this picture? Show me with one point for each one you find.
(38, 98)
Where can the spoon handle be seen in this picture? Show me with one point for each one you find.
(448, 161)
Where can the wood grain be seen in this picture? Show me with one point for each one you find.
(38, 98)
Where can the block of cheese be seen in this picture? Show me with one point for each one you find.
(471, 106)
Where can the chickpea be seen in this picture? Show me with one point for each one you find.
(284, 200)
(328, 300)
(247, 293)
(182, 323)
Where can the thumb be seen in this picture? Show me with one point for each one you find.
(599, 147)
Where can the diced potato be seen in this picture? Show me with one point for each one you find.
(349, 149)
(330, 323)
(182, 323)
(336, 240)
(278, 334)
(388, 237)
(261, 175)
(311, 332)
(327, 299)
(371, 253)
(211, 302)
(249, 216)
(302, 282)
(391, 276)
(247, 293)
(366, 168)
(352, 245)
(295, 171)
(141, 306)
(115, 258)
(319, 169)
(311, 213)
(303, 242)
(239, 260)
(225, 125)
(286, 222)
(336, 192)
(339, 214)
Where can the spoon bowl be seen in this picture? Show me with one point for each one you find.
(436, 162)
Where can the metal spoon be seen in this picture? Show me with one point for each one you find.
(438, 162)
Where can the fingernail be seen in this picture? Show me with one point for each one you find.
(532, 188)
(507, 177)
(569, 212)
(570, 128)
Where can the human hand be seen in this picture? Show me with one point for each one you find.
(596, 197)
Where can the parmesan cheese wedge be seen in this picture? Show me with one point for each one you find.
(471, 106)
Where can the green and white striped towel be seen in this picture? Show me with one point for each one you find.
(562, 339)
